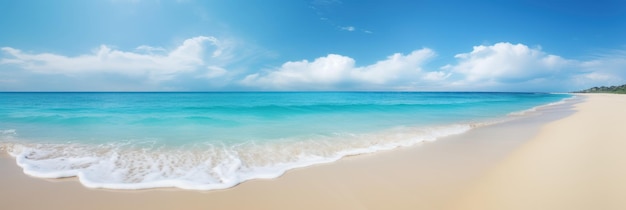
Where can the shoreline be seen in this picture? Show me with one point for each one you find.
(576, 163)
(216, 163)
(426, 176)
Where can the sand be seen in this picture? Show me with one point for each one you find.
(575, 163)
(560, 159)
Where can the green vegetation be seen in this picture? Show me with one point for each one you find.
(613, 89)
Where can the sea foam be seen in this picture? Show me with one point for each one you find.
(206, 141)
(205, 167)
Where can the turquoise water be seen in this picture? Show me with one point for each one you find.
(216, 140)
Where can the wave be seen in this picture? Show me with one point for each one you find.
(133, 165)
(212, 165)
(536, 108)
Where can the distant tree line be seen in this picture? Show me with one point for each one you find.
(603, 89)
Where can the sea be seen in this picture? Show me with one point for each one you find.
(217, 140)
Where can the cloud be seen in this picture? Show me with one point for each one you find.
(517, 67)
(338, 71)
(214, 72)
(499, 67)
(506, 62)
(325, 9)
(348, 28)
(155, 63)
(436, 76)
(207, 63)
(605, 69)
(150, 49)
(352, 29)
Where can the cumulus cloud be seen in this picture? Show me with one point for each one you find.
(202, 63)
(155, 63)
(337, 71)
(436, 76)
(499, 67)
(506, 62)
(506, 66)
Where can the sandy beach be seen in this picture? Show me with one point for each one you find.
(574, 163)
(562, 157)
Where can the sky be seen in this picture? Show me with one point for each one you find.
(311, 45)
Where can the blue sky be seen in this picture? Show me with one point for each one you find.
(419, 45)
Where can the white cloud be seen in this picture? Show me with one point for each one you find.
(155, 63)
(603, 70)
(200, 63)
(150, 49)
(506, 62)
(397, 67)
(499, 67)
(337, 71)
(214, 72)
(348, 28)
(436, 76)
(516, 67)
(352, 29)
(323, 72)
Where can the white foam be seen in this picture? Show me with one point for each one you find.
(206, 167)
(536, 108)
(8, 134)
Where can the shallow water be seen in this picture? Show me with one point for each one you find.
(216, 140)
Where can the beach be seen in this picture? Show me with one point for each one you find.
(574, 163)
(562, 157)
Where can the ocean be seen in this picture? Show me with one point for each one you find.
(216, 140)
